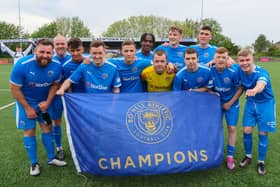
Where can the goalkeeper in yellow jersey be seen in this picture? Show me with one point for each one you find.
(156, 77)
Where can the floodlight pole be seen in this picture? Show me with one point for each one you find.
(19, 23)
(201, 12)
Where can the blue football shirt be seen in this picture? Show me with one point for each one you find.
(34, 80)
(174, 55)
(225, 83)
(97, 79)
(68, 69)
(205, 55)
(139, 54)
(250, 81)
(185, 80)
(131, 73)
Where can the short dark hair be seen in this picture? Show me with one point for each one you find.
(144, 35)
(74, 43)
(128, 42)
(206, 27)
(45, 41)
(191, 51)
(160, 52)
(97, 43)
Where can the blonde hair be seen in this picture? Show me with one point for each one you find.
(244, 52)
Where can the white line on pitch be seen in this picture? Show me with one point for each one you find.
(6, 106)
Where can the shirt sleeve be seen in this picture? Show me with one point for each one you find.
(17, 75)
(177, 84)
(117, 80)
(77, 75)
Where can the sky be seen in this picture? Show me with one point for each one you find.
(241, 20)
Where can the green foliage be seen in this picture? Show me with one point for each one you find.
(66, 26)
(78, 28)
(46, 31)
(8, 30)
(224, 41)
(218, 38)
(214, 24)
(261, 44)
(190, 28)
(274, 51)
(135, 26)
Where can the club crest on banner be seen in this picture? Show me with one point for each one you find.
(149, 122)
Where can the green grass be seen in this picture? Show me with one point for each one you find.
(14, 169)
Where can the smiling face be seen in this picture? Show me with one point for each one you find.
(246, 63)
(60, 45)
(147, 44)
(43, 54)
(98, 55)
(174, 37)
(221, 60)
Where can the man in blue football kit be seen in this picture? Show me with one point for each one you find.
(205, 51)
(259, 108)
(174, 50)
(225, 82)
(130, 68)
(33, 84)
(76, 49)
(99, 76)
(60, 49)
(147, 42)
(56, 108)
(194, 76)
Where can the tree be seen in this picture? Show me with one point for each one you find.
(135, 26)
(261, 44)
(78, 28)
(46, 31)
(215, 25)
(224, 41)
(273, 50)
(190, 28)
(66, 26)
(8, 31)
(11, 31)
(218, 38)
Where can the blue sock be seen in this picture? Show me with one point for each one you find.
(248, 142)
(230, 150)
(263, 146)
(57, 135)
(47, 140)
(30, 145)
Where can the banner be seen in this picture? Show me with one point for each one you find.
(144, 133)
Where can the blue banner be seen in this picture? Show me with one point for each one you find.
(144, 133)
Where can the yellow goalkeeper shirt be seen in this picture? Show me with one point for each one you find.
(157, 82)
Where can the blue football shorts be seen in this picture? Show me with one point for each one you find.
(262, 114)
(22, 121)
(232, 114)
(56, 108)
